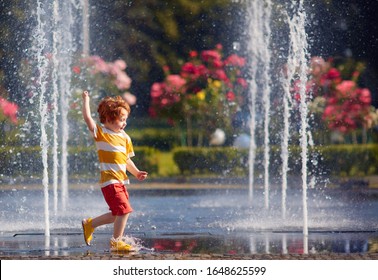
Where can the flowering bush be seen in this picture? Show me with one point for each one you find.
(102, 79)
(205, 94)
(109, 77)
(348, 108)
(334, 94)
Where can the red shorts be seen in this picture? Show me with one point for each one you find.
(117, 197)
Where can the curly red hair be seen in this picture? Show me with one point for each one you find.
(109, 109)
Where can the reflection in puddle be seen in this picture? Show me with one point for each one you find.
(259, 243)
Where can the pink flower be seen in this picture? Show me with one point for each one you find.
(217, 64)
(242, 82)
(317, 65)
(193, 54)
(9, 109)
(230, 96)
(129, 98)
(220, 74)
(193, 72)
(76, 69)
(333, 73)
(332, 76)
(99, 64)
(210, 55)
(120, 64)
(350, 122)
(328, 111)
(122, 81)
(354, 108)
(235, 60)
(364, 96)
(189, 69)
(333, 100)
(346, 88)
(156, 90)
(175, 83)
(164, 102)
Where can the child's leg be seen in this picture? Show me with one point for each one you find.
(106, 218)
(119, 225)
(90, 224)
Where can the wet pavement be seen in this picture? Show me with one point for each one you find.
(263, 245)
(194, 222)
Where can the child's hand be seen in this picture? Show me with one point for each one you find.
(142, 175)
(85, 94)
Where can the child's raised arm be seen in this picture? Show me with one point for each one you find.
(87, 112)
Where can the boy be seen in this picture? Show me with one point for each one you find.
(115, 150)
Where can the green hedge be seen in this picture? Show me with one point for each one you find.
(350, 160)
(27, 162)
(15, 161)
(338, 160)
(163, 139)
(210, 160)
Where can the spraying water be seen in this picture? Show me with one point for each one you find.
(266, 57)
(260, 54)
(253, 50)
(287, 100)
(55, 78)
(54, 48)
(301, 40)
(258, 46)
(67, 48)
(294, 59)
(41, 42)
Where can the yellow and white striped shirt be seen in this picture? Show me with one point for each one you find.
(114, 149)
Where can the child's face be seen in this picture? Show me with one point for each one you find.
(120, 123)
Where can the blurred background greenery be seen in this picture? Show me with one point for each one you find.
(153, 34)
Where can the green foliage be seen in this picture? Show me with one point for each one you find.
(350, 160)
(191, 161)
(83, 160)
(334, 160)
(17, 161)
(162, 139)
(147, 158)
